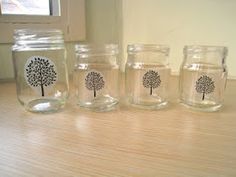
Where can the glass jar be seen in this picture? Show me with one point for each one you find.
(39, 58)
(147, 74)
(203, 77)
(96, 76)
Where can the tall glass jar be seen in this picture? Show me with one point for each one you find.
(147, 74)
(39, 58)
(203, 77)
(97, 76)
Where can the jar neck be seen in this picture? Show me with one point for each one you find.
(92, 53)
(137, 48)
(31, 39)
(148, 54)
(205, 54)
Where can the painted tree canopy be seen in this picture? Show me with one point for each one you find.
(204, 85)
(94, 81)
(40, 72)
(151, 79)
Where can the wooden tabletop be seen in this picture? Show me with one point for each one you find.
(173, 142)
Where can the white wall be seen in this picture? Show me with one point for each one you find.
(103, 21)
(181, 22)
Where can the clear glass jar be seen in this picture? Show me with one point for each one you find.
(147, 74)
(39, 58)
(96, 76)
(203, 75)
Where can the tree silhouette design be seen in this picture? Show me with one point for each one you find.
(40, 72)
(204, 85)
(151, 79)
(94, 81)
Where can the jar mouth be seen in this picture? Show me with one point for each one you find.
(134, 48)
(86, 50)
(28, 31)
(205, 49)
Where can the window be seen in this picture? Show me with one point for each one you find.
(67, 15)
(26, 7)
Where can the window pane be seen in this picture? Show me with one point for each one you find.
(26, 7)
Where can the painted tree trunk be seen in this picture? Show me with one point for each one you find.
(94, 93)
(150, 90)
(203, 96)
(42, 90)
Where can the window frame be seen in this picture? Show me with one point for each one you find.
(71, 22)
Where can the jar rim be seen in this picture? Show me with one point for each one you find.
(29, 31)
(205, 48)
(96, 49)
(134, 48)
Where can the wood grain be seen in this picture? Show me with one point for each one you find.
(173, 142)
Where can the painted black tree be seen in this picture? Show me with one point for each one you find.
(151, 79)
(204, 85)
(94, 81)
(40, 73)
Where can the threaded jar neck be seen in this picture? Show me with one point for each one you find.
(148, 54)
(204, 53)
(33, 39)
(136, 48)
(93, 50)
(205, 49)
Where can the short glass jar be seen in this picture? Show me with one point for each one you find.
(39, 58)
(203, 76)
(147, 73)
(96, 76)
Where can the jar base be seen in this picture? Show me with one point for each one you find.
(100, 104)
(202, 107)
(44, 105)
(152, 106)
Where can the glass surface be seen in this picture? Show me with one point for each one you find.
(203, 77)
(96, 77)
(41, 74)
(25, 7)
(147, 74)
